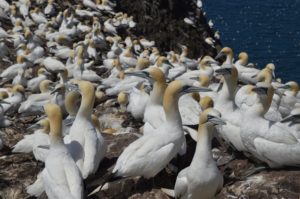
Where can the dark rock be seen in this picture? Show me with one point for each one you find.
(162, 21)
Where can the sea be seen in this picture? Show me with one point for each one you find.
(268, 30)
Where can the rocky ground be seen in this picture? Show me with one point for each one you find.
(155, 20)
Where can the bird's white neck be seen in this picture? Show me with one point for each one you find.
(227, 92)
(256, 111)
(172, 110)
(229, 59)
(86, 106)
(157, 94)
(203, 153)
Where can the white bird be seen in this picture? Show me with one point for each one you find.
(293, 120)
(72, 103)
(10, 72)
(34, 83)
(20, 78)
(24, 8)
(289, 98)
(35, 102)
(127, 59)
(246, 73)
(202, 179)
(53, 65)
(199, 4)
(189, 21)
(4, 122)
(273, 143)
(149, 154)
(13, 102)
(226, 105)
(109, 27)
(37, 16)
(85, 143)
(4, 5)
(49, 9)
(138, 100)
(204, 69)
(190, 63)
(30, 143)
(61, 177)
(146, 43)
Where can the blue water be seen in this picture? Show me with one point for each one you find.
(269, 30)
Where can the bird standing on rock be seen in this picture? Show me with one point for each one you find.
(152, 152)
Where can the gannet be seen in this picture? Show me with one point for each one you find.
(20, 78)
(124, 84)
(245, 72)
(226, 51)
(24, 8)
(4, 5)
(127, 59)
(226, 105)
(190, 63)
(35, 102)
(154, 55)
(122, 100)
(36, 55)
(289, 98)
(100, 151)
(53, 65)
(146, 44)
(72, 103)
(109, 27)
(266, 75)
(50, 9)
(152, 115)
(4, 122)
(61, 177)
(85, 144)
(138, 100)
(202, 179)
(149, 154)
(293, 120)
(273, 143)
(10, 72)
(14, 101)
(210, 41)
(115, 50)
(97, 36)
(37, 16)
(31, 142)
(205, 69)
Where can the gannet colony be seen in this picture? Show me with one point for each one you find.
(88, 113)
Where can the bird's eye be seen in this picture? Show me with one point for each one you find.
(145, 73)
(209, 117)
(185, 87)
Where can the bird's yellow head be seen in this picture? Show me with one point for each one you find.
(243, 58)
(211, 116)
(207, 61)
(45, 124)
(72, 101)
(54, 115)
(18, 89)
(206, 102)
(3, 95)
(226, 51)
(123, 98)
(44, 85)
